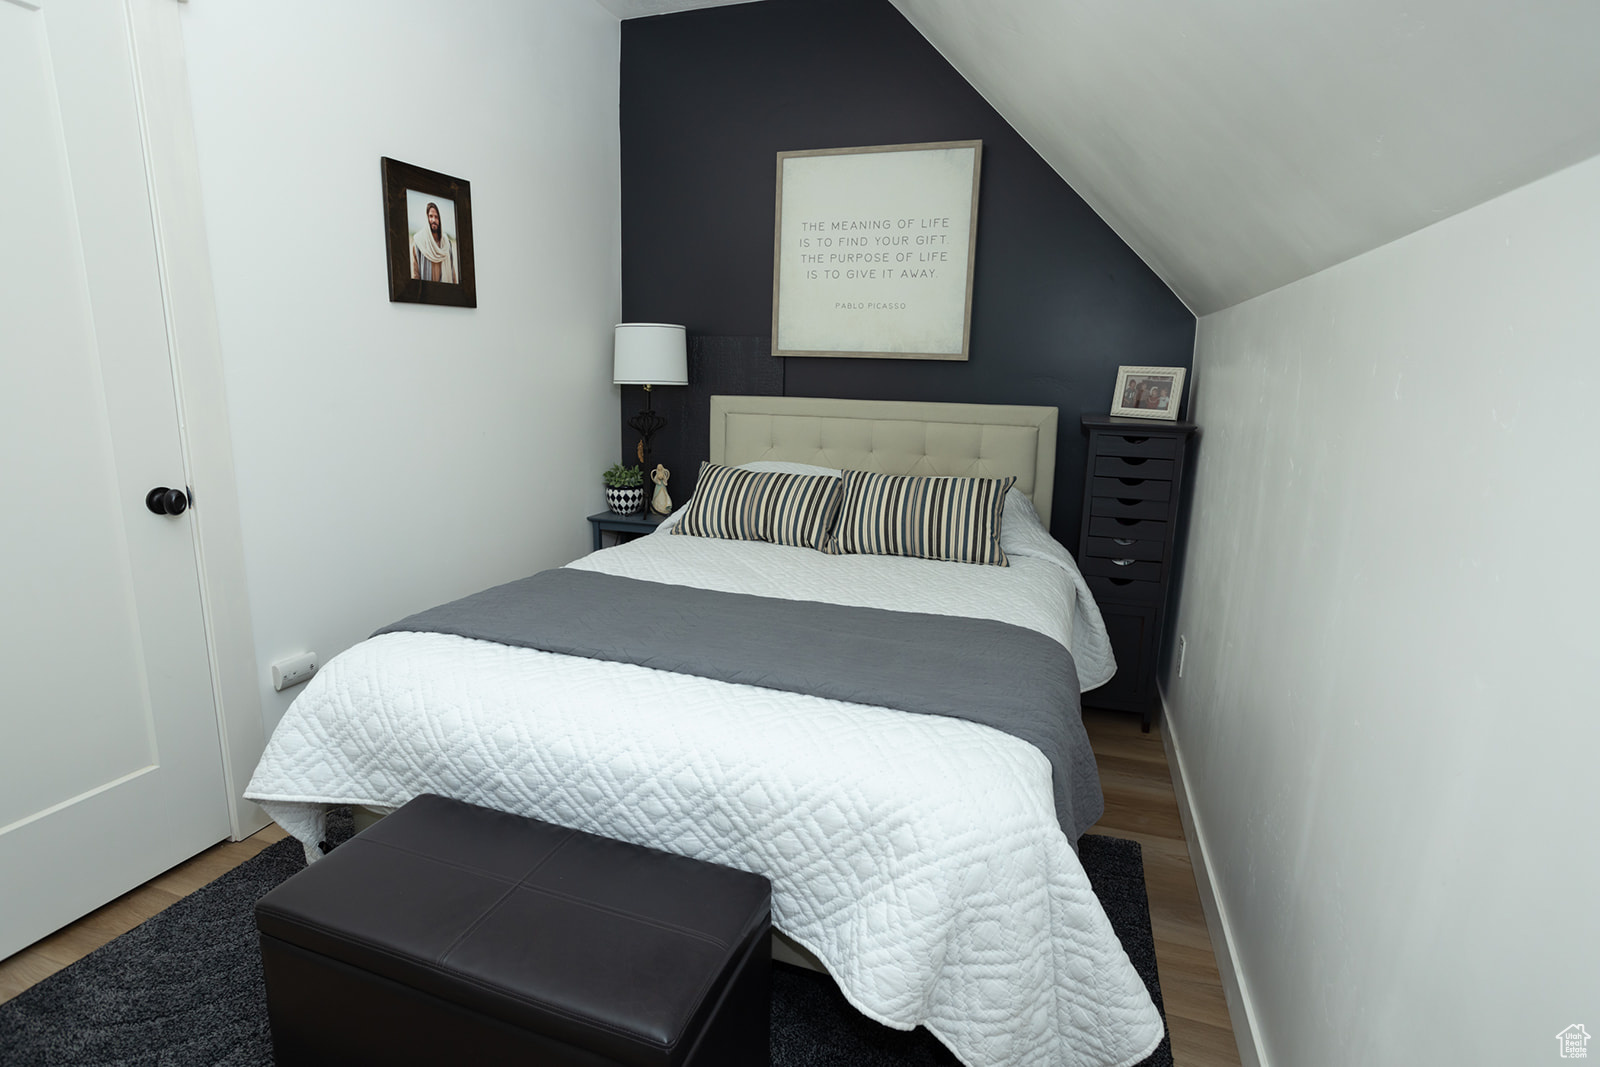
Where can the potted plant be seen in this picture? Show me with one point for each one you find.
(624, 488)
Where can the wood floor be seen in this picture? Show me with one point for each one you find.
(1139, 805)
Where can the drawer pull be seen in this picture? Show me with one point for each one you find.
(1129, 501)
(1124, 562)
(1120, 581)
(1131, 481)
(1136, 440)
(1134, 461)
(1122, 540)
(1127, 522)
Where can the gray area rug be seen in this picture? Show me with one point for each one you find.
(185, 987)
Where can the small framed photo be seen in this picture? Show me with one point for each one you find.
(1148, 392)
(427, 222)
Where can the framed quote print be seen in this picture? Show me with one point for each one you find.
(873, 251)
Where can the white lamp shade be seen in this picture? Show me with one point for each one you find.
(650, 353)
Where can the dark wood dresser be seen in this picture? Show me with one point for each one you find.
(1131, 496)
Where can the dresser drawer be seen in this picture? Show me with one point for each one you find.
(1133, 488)
(1123, 467)
(1140, 529)
(1124, 548)
(1132, 631)
(1118, 444)
(1123, 590)
(1127, 508)
(1139, 570)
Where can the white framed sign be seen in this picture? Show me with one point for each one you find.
(873, 251)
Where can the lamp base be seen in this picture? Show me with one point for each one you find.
(647, 424)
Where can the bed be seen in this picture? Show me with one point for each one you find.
(921, 858)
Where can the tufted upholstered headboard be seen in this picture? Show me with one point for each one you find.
(893, 437)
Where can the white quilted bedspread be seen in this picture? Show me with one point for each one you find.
(917, 856)
(1041, 589)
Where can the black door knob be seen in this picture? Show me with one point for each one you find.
(164, 501)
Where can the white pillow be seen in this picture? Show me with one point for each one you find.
(785, 467)
(1021, 528)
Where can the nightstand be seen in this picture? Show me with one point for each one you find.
(1131, 496)
(626, 527)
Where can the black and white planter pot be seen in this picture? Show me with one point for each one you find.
(625, 501)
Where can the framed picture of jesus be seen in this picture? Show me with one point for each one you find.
(427, 219)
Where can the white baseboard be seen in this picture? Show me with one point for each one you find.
(1241, 1011)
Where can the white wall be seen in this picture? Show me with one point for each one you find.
(391, 456)
(1389, 719)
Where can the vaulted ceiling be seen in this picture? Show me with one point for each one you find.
(632, 9)
(1239, 145)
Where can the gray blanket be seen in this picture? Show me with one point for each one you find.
(1006, 677)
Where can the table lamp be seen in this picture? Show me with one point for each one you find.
(649, 354)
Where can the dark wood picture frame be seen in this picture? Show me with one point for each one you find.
(398, 177)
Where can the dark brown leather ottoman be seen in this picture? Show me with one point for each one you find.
(448, 933)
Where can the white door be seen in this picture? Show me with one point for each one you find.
(110, 763)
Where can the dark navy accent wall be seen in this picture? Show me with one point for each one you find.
(707, 100)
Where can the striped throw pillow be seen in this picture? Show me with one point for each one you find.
(955, 519)
(741, 505)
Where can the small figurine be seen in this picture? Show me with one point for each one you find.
(660, 502)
